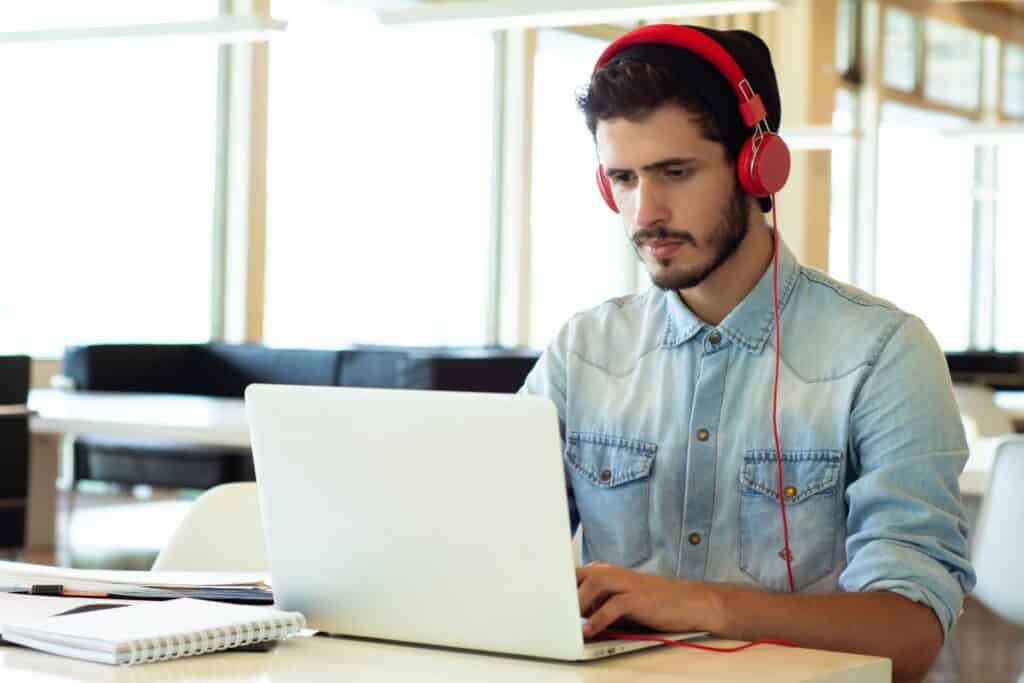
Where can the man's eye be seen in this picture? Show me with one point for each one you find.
(678, 172)
(621, 178)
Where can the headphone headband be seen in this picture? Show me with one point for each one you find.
(751, 107)
(762, 164)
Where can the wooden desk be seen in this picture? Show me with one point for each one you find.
(177, 418)
(316, 660)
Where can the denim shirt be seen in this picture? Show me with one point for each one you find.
(670, 461)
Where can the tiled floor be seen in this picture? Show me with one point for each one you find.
(121, 532)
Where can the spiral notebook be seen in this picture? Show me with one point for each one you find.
(154, 631)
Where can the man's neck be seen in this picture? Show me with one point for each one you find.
(721, 291)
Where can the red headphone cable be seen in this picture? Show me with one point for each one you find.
(785, 553)
(697, 646)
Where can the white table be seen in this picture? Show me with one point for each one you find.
(175, 418)
(974, 480)
(317, 659)
(191, 419)
(1012, 402)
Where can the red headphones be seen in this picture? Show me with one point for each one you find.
(763, 163)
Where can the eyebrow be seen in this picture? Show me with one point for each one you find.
(658, 165)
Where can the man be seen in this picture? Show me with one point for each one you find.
(665, 399)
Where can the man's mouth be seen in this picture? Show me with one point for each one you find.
(664, 249)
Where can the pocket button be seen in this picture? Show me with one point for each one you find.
(789, 492)
(694, 539)
(606, 475)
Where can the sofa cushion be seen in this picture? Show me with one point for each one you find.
(153, 368)
(227, 369)
(486, 371)
(371, 366)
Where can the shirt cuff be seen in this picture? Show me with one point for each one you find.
(907, 572)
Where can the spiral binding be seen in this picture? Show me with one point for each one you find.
(201, 642)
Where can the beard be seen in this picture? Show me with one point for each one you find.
(725, 239)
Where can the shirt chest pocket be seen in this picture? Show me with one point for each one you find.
(611, 483)
(810, 487)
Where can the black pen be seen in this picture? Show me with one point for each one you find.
(57, 590)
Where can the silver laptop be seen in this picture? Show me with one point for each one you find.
(421, 516)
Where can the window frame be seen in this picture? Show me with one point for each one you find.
(872, 94)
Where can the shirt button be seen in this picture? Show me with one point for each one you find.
(694, 539)
(789, 492)
(714, 337)
(703, 434)
(606, 475)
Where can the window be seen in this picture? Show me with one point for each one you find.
(1013, 81)
(924, 235)
(901, 41)
(843, 173)
(379, 181)
(846, 32)
(579, 254)
(953, 65)
(108, 174)
(1009, 313)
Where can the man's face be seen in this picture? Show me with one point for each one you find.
(677, 192)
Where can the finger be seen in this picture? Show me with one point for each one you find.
(587, 570)
(595, 583)
(611, 611)
(592, 593)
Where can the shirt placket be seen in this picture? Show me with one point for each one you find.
(702, 449)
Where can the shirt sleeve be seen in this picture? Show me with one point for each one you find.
(548, 378)
(906, 527)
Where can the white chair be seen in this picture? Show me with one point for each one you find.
(998, 550)
(222, 531)
(985, 423)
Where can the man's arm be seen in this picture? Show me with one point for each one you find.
(547, 378)
(879, 623)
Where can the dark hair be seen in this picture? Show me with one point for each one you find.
(632, 90)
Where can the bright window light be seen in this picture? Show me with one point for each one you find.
(108, 173)
(379, 182)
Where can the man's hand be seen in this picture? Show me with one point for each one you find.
(608, 593)
(878, 623)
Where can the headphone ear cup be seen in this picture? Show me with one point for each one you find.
(605, 188)
(763, 172)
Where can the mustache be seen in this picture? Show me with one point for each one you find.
(661, 233)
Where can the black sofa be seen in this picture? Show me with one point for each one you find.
(996, 369)
(225, 370)
(14, 381)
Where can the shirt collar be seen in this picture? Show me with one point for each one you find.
(750, 323)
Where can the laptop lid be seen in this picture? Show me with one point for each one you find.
(420, 516)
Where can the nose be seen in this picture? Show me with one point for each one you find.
(649, 206)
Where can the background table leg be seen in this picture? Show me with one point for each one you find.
(41, 513)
